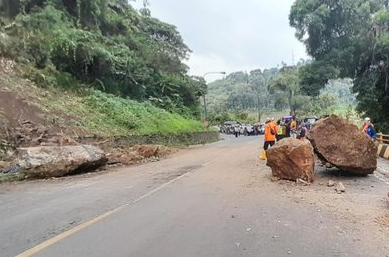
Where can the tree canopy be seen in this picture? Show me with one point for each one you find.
(347, 38)
(105, 44)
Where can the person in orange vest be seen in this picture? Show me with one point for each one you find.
(293, 127)
(368, 128)
(274, 126)
(270, 134)
(365, 125)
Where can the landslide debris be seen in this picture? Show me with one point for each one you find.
(343, 145)
(292, 159)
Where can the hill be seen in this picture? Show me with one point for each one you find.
(32, 115)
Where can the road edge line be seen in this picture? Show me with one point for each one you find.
(89, 223)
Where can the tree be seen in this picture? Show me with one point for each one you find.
(352, 37)
(314, 75)
(287, 82)
(105, 44)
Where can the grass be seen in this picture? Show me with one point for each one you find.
(92, 112)
(108, 116)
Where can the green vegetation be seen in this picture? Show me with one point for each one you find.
(347, 39)
(113, 70)
(101, 44)
(249, 96)
(131, 117)
(241, 93)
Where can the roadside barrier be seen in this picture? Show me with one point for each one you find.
(383, 147)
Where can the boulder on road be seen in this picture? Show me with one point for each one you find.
(343, 145)
(56, 161)
(292, 159)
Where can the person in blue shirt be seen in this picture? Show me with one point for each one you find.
(368, 128)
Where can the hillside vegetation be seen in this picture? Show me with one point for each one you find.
(91, 112)
(277, 92)
(99, 67)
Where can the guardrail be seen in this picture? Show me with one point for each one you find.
(382, 138)
(383, 147)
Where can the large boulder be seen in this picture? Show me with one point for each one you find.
(292, 159)
(56, 161)
(343, 145)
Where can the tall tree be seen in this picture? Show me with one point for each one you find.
(352, 37)
(288, 82)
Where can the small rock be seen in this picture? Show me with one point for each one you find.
(328, 165)
(12, 170)
(300, 181)
(331, 183)
(275, 179)
(4, 164)
(289, 252)
(248, 229)
(340, 188)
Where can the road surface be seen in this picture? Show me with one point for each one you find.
(216, 200)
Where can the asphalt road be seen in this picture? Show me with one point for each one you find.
(216, 200)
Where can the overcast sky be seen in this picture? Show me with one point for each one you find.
(232, 35)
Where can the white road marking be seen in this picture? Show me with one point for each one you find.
(87, 224)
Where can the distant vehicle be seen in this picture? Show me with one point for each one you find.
(259, 128)
(248, 130)
(228, 127)
(310, 121)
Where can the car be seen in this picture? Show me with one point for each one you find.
(248, 130)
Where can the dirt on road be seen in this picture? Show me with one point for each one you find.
(226, 197)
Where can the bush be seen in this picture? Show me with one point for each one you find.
(136, 118)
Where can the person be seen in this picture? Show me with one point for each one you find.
(274, 125)
(236, 131)
(302, 131)
(293, 126)
(287, 128)
(270, 134)
(368, 128)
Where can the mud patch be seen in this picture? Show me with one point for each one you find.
(16, 109)
(172, 174)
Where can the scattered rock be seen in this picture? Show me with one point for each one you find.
(330, 183)
(328, 165)
(12, 169)
(340, 188)
(292, 159)
(300, 181)
(343, 145)
(4, 164)
(46, 162)
(138, 154)
(148, 151)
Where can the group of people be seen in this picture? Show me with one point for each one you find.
(283, 128)
(275, 131)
